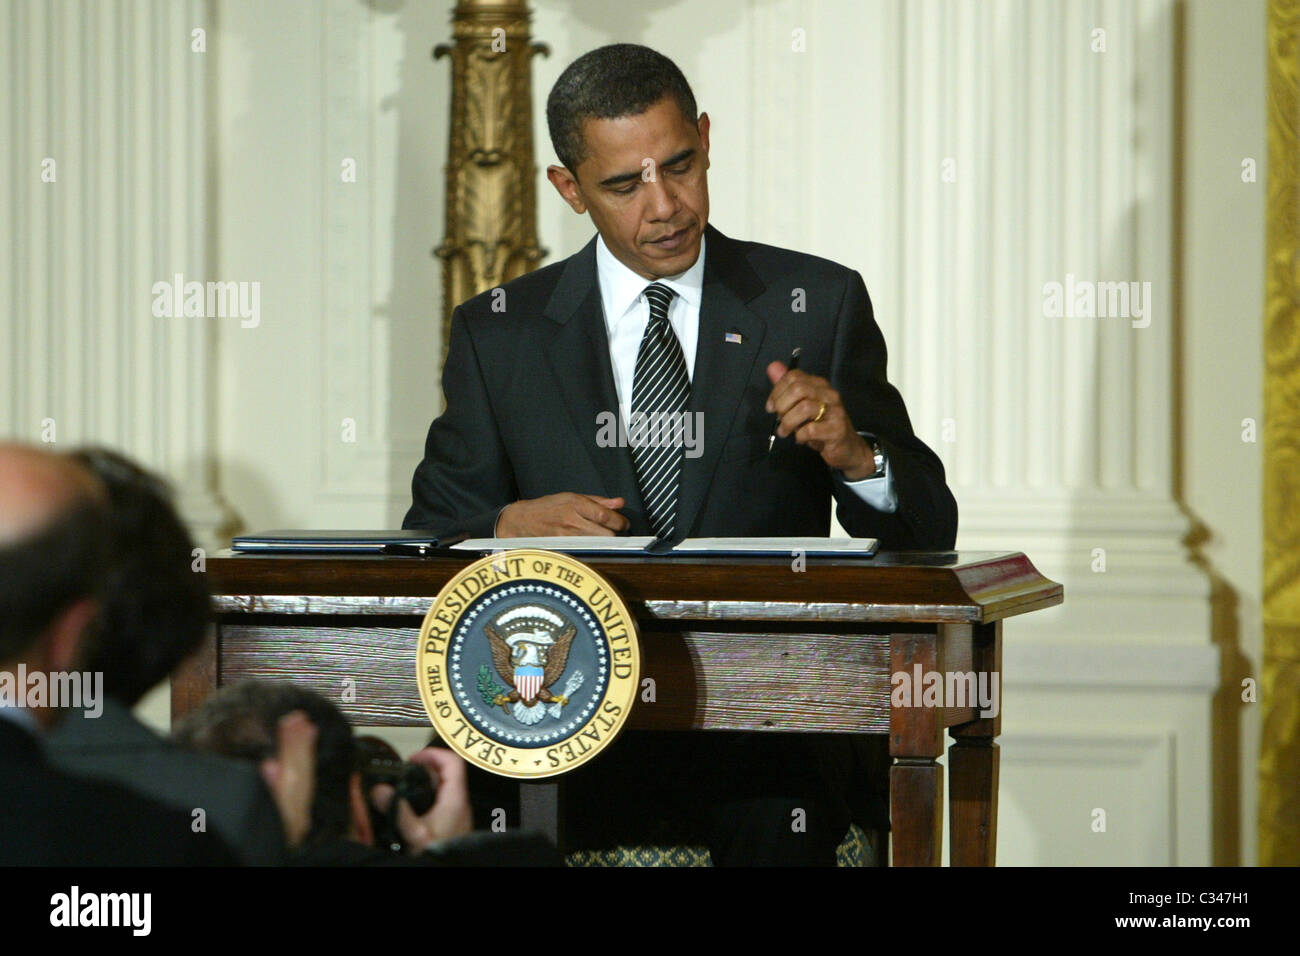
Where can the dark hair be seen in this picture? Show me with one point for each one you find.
(45, 572)
(156, 608)
(622, 79)
(241, 721)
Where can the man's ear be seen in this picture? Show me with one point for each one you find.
(567, 186)
(66, 640)
(360, 829)
(702, 124)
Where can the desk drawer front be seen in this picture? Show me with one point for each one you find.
(702, 680)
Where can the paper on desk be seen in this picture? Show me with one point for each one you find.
(598, 544)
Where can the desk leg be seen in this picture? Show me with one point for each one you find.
(541, 809)
(915, 741)
(973, 764)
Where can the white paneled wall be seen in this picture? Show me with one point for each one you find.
(323, 407)
(959, 154)
(962, 155)
(104, 116)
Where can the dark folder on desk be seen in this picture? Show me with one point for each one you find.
(297, 541)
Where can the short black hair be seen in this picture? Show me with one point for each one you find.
(156, 606)
(45, 572)
(622, 79)
(242, 721)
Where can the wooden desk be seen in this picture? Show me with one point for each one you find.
(822, 643)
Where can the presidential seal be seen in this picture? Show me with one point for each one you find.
(528, 663)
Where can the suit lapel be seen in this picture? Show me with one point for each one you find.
(722, 368)
(578, 354)
(579, 358)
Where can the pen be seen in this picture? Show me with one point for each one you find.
(790, 367)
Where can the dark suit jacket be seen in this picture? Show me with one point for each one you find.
(50, 818)
(525, 386)
(118, 748)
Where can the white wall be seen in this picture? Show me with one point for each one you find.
(109, 98)
(1222, 362)
(1061, 436)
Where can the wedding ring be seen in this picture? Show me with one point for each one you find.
(820, 412)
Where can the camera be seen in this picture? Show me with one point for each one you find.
(377, 762)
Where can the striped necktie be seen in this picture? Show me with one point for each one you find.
(660, 390)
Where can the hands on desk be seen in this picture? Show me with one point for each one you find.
(567, 513)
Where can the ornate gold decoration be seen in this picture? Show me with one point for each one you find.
(491, 234)
(1279, 758)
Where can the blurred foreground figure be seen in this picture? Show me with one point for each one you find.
(154, 614)
(54, 545)
(241, 721)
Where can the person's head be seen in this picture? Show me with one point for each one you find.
(156, 606)
(242, 720)
(53, 548)
(635, 155)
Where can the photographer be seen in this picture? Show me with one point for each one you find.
(241, 721)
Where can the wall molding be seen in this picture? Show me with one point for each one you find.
(114, 95)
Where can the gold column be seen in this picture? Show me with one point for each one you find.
(1279, 758)
(491, 198)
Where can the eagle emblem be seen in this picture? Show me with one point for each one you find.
(530, 650)
(528, 663)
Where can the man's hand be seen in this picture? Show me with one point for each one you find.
(291, 775)
(450, 816)
(797, 397)
(563, 514)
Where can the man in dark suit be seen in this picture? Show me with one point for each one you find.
(155, 613)
(663, 315)
(53, 545)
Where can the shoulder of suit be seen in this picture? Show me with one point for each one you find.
(778, 267)
(776, 264)
(532, 289)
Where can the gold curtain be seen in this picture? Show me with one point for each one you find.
(1279, 760)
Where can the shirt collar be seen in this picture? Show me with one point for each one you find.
(620, 287)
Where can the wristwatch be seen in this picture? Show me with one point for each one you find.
(879, 455)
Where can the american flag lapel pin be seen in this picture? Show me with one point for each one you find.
(735, 338)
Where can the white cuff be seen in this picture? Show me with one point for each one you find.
(877, 492)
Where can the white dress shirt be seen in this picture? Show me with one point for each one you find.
(627, 312)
